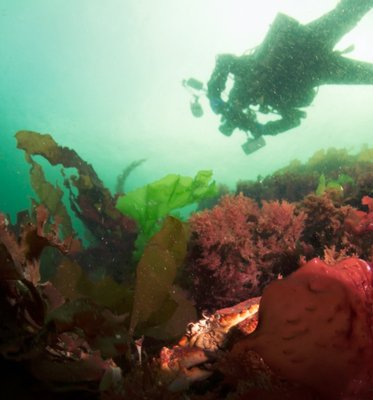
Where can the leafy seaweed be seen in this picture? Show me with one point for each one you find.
(157, 270)
(333, 184)
(73, 283)
(50, 196)
(150, 204)
(112, 235)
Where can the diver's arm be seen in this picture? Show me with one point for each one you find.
(288, 121)
(218, 79)
(246, 121)
(282, 125)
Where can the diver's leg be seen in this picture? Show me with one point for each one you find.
(331, 27)
(345, 71)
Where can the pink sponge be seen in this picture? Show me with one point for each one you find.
(315, 328)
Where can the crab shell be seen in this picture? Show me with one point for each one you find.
(210, 333)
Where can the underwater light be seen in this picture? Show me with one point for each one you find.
(196, 108)
(252, 145)
(196, 88)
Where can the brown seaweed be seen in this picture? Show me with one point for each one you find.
(114, 234)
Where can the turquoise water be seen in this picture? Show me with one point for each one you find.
(104, 78)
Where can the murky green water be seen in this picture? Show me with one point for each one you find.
(104, 78)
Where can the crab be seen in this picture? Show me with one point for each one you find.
(204, 341)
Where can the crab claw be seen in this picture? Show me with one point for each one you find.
(187, 377)
(179, 367)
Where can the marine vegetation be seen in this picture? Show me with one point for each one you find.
(112, 235)
(122, 177)
(238, 247)
(149, 205)
(351, 175)
(252, 298)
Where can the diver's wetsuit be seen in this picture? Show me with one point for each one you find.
(282, 74)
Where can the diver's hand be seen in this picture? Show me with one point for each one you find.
(258, 129)
(217, 105)
(226, 128)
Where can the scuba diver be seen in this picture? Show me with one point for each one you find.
(282, 74)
